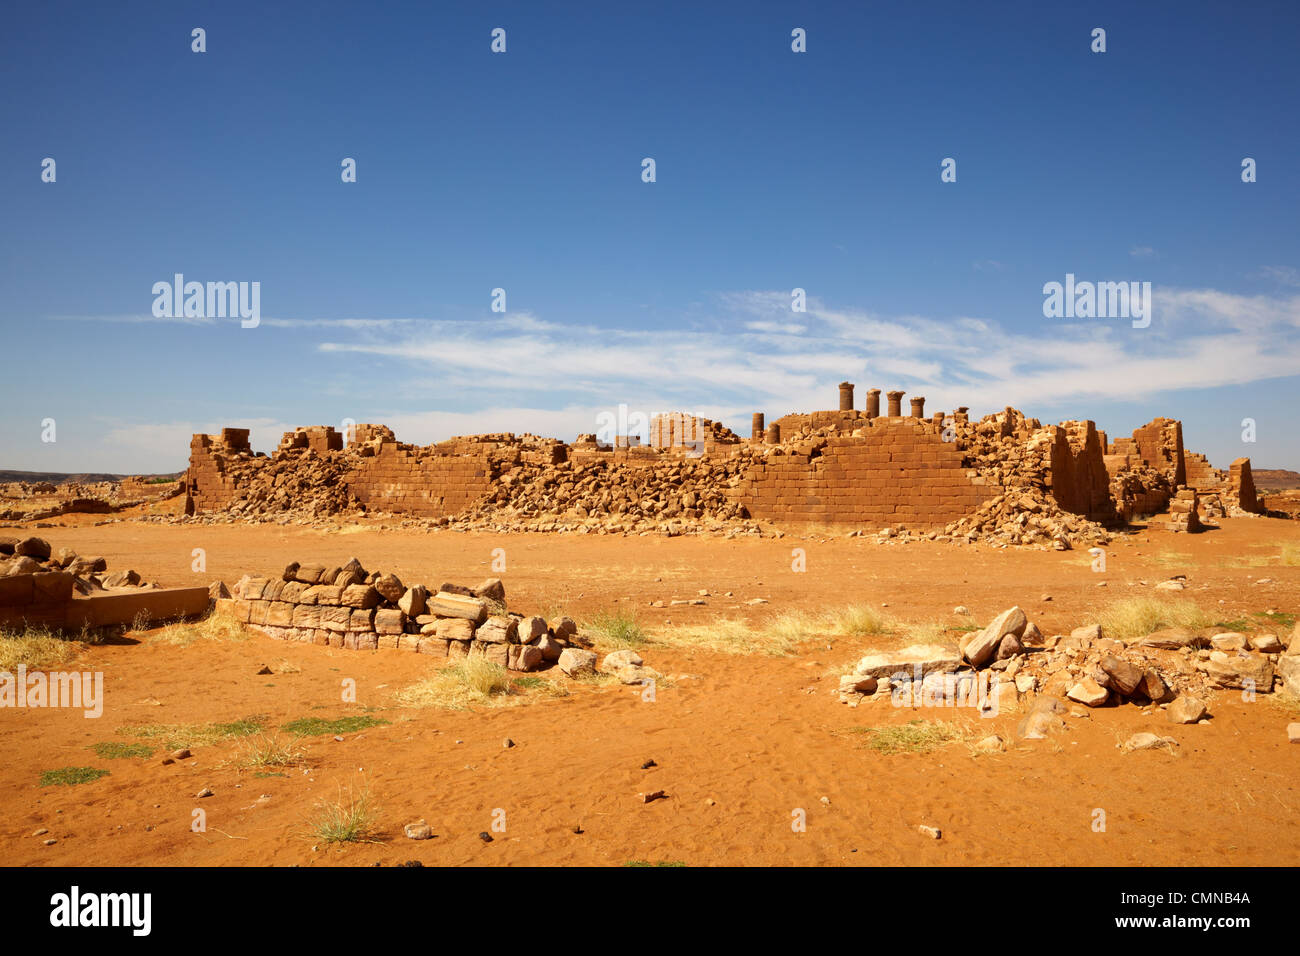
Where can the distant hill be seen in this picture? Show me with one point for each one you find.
(59, 478)
(1275, 479)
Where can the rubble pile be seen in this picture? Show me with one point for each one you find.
(1009, 662)
(36, 556)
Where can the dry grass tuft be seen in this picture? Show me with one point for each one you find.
(36, 648)
(217, 626)
(350, 819)
(1139, 616)
(916, 736)
(472, 680)
(264, 750)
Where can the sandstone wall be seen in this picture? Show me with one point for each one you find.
(900, 471)
(415, 481)
(1076, 470)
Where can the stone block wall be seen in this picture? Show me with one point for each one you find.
(402, 479)
(899, 471)
(348, 607)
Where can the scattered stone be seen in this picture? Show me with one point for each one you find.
(980, 648)
(1266, 644)
(1147, 741)
(1089, 693)
(652, 796)
(1185, 710)
(934, 833)
(419, 830)
(205, 792)
(576, 662)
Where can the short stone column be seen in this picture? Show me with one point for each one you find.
(774, 434)
(895, 404)
(918, 407)
(873, 403)
(961, 414)
(756, 427)
(846, 396)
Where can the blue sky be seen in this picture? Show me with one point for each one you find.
(522, 170)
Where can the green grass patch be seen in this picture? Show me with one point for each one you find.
(1279, 619)
(112, 750)
(71, 776)
(318, 726)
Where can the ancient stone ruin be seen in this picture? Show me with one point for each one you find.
(1004, 477)
(352, 608)
(64, 591)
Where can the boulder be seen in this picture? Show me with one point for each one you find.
(1172, 639)
(551, 648)
(617, 659)
(1124, 677)
(1154, 688)
(1240, 670)
(1146, 741)
(361, 596)
(981, 647)
(413, 600)
(1288, 668)
(576, 662)
(1229, 641)
(446, 604)
(1266, 644)
(531, 629)
(918, 658)
(497, 629)
(390, 587)
(35, 548)
(524, 657)
(454, 629)
(122, 579)
(1089, 693)
(1087, 634)
(492, 589)
(1185, 710)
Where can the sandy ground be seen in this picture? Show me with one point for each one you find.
(742, 744)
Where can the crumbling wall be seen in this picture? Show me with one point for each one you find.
(1076, 470)
(430, 482)
(1241, 487)
(209, 485)
(898, 471)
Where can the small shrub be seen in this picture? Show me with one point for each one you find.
(348, 820)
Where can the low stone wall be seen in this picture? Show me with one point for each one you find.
(64, 591)
(349, 607)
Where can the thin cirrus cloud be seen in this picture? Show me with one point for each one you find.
(760, 355)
